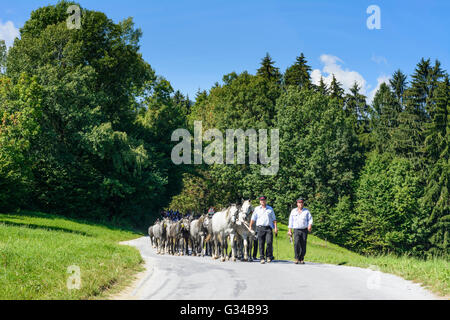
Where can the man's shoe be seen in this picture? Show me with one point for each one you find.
(263, 261)
(296, 261)
(302, 262)
(269, 260)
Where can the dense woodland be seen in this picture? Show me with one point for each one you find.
(86, 128)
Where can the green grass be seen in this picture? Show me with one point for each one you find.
(36, 250)
(432, 274)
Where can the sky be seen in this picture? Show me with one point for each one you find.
(194, 43)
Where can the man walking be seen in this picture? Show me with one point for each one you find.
(265, 220)
(301, 221)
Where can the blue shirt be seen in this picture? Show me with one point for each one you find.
(300, 220)
(264, 217)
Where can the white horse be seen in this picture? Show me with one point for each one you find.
(222, 227)
(198, 231)
(160, 235)
(242, 227)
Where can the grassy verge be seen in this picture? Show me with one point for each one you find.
(37, 249)
(432, 274)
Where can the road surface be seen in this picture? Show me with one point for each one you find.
(195, 278)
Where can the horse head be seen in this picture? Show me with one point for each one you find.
(185, 224)
(245, 211)
(233, 212)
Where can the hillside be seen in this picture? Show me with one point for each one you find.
(37, 249)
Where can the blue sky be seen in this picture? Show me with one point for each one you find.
(194, 43)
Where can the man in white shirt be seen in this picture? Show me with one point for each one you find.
(265, 220)
(301, 221)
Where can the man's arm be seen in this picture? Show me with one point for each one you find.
(253, 219)
(291, 224)
(274, 219)
(310, 221)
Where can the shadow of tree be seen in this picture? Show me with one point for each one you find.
(35, 226)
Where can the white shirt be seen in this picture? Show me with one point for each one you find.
(264, 217)
(300, 220)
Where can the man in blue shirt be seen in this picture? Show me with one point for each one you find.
(265, 220)
(301, 221)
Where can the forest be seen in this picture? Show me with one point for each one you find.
(86, 126)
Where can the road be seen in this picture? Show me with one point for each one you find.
(195, 278)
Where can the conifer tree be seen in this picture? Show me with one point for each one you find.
(409, 136)
(322, 87)
(336, 90)
(436, 198)
(268, 70)
(384, 117)
(398, 84)
(298, 74)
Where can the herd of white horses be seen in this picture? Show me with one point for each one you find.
(175, 238)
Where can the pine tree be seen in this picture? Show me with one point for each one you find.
(424, 82)
(356, 103)
(298, 74)
(322, 87)
(409, 136)
(336, 90)
(398, 84)
(182, 102)
(384, 117)
(436, 199)
(268, 70)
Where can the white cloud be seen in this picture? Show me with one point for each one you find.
(333, 65)
(379, 59)
(8, 32)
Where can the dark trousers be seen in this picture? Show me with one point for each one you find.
(300, 237)
(265, 235)
(255, 248)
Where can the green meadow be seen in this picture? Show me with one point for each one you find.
(433, 274)
(37, 251)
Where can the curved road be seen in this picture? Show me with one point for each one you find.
(194, 278)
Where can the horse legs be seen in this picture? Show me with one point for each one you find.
(245, 248)
(202, 239)
(218, 249)
(186, 243)
(194, 246)
(233, 247)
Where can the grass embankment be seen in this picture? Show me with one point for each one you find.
(37, 249)
(432, 274)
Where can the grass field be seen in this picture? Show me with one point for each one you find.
(37, 249)
(432, 274)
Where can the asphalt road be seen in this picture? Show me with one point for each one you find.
(195, 278)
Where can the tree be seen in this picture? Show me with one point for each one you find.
(319, 155)
(409, 136)
(398, 84)
(268, 70)
(436, 197)
(20, 112)
(94, 147)
(384, 118)
(2, 57)
(387, 214)
(336, 91)
(322, 87)
(298, 74)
